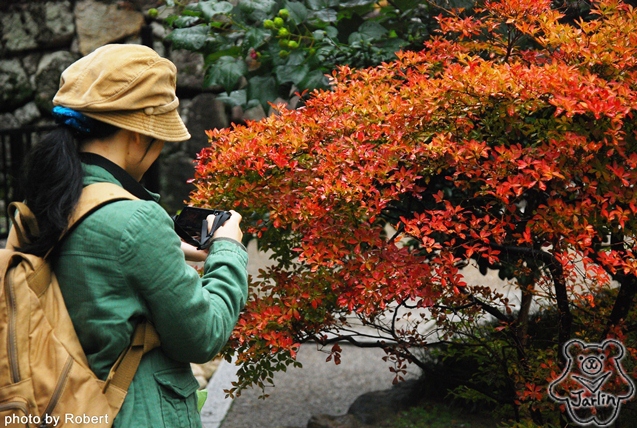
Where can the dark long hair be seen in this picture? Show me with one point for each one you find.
(51, 180)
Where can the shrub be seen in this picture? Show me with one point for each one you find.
(507, 144)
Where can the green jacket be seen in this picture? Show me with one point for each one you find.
(123, 264)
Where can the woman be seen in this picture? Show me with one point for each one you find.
(124, 263)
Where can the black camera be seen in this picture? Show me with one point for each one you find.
(191, 225)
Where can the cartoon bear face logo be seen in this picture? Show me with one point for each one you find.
(593, 385)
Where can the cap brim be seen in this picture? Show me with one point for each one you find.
(166, 127)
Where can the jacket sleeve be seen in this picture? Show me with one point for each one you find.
(194, 315)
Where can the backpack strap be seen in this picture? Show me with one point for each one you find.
(145, 337)
(94, 196)
(24, 225)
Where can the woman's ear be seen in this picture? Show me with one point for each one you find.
(137, 146)
(136, 139)
(143, 142)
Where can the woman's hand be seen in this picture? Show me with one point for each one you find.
(230, 229)
(192, 253)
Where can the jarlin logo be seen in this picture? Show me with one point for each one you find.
(593, 385)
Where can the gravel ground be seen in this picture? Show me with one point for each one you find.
(319, 387)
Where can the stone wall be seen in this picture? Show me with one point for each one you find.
(40, 38)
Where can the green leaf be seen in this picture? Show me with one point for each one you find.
(252, 103)
(255, 38)
(332, 32)
(233, 51)
(316, 4)
(410, 4)
(318, 35)
(207, 10)
(169, 21)
(257, 10)
(211, 8)
(296, 58)
(321, 4)
(226, 71)
(235, 98)
(191, 10)
(185, 21)
(325, 52)
(356, 3)
(371, 30)
(298, 11)
(356, 39)
(191, 39)
(224, 7)
(291, 73)
(202, 396)
(264, 89)
(272, 55)
(324, 15)
(223, 42)
(315, 79)
(394, 44)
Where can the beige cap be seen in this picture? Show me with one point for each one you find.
(129, 86)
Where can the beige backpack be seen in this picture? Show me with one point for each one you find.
(45, 380)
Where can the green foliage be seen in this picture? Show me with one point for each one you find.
(282, 47)
(437, 416)
(481, 368)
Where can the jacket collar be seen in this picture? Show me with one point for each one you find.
(114, 174)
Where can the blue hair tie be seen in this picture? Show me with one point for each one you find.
(74, 119)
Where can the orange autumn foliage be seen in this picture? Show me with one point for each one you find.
(508, 143)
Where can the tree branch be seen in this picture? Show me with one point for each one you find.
(625, 296)
(561, 295)
(487, 307)
(623, 301)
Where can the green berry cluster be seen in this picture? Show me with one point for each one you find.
(278, 26)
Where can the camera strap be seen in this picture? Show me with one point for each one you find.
(184, 235)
